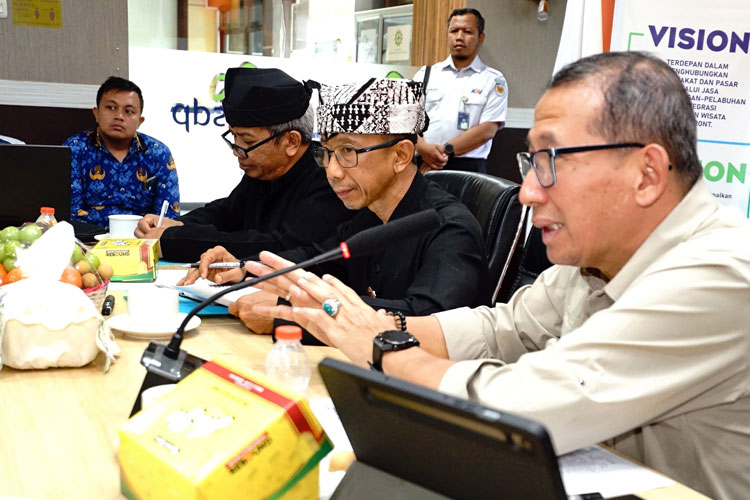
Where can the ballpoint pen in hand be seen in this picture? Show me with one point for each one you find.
(218, 265)
(164, 207)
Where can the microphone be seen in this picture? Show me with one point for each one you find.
(171, 363)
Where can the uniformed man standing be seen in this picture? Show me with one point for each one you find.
(466, 100)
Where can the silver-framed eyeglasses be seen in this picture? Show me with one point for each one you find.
(242, 152)
(543, 161)
(346, 155)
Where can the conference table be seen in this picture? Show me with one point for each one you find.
(58, 427)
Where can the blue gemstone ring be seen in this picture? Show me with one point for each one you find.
(331, 307)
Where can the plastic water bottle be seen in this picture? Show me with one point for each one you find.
(287, 363)
(46, 218)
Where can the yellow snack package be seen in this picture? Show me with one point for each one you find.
(223, 434)
(132, 260)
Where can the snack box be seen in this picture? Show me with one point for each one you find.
(223, 434)
(132, 260)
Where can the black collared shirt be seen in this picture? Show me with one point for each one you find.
(439, 270)
(297, 209)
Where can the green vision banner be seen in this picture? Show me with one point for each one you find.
(708, 47)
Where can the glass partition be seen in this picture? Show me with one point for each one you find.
(365, 31)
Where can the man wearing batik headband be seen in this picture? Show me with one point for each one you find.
(368, 134)
(283, 200)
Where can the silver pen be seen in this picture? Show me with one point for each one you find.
(217, 265)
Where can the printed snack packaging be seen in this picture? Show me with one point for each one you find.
(223, 434)
(132, 260)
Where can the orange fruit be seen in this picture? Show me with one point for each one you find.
(3, 274)
(72, 276)
(14, 275)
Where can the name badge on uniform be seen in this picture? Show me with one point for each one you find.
(463, 117)
(463, 120)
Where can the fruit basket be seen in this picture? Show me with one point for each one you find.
(97, 294)
(83, 269)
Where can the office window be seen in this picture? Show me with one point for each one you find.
(372, 31)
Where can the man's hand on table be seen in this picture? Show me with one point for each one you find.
(255, 322)
(355, 324)
(219, 276)
(147, 226)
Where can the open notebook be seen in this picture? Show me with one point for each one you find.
(201, 289)
(205, 288)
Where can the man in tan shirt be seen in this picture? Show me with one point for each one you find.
(641, 334)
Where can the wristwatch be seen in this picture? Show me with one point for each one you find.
(448, 148)
(390, 340)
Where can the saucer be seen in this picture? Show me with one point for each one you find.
(164, 330)
(100, 237)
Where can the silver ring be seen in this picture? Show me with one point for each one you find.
(288, 297)
(331, 307)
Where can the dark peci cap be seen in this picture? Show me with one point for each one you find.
(259, 97)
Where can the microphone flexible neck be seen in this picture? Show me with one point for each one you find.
(173, 349)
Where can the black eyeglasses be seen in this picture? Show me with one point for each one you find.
(242, 152)
(543, 161)
(346, 155)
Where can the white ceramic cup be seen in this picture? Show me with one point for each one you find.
(151, 307)
(123, 226)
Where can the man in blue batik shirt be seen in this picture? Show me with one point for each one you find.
(116, 170)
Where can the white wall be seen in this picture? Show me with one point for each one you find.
(182, 113)
(152, 23)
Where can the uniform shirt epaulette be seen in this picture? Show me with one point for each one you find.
(495, 72)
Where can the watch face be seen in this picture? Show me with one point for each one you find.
(396, 338)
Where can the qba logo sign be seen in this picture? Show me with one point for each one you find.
(197, 115)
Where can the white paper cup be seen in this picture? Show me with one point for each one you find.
(150, 395)
(152, 307)
(123, 226)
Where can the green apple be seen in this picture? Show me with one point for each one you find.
(77, 254)
(29, 234)
(93, 260)
(10, 248)
(9, 233)
(9, 263)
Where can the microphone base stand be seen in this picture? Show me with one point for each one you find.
(168, 364)
(161, 369)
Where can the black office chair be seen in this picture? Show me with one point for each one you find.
(494, 203)
(527, 263)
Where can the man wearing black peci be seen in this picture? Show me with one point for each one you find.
(283, 200)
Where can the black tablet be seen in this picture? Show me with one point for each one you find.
(407, 436)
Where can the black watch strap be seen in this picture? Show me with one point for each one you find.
(390, 340)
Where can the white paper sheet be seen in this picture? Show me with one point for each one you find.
(201, 288)
(595, 469)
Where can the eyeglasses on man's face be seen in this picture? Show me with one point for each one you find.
(346, 155)
(543, 161)
(242, 152)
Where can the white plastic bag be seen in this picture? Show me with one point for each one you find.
(45, 323)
